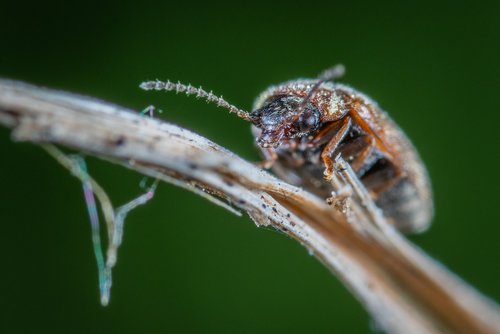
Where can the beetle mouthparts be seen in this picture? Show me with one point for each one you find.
(270, 138)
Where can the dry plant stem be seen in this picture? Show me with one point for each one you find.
(403, 289)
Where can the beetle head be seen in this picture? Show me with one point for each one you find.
(285, 117)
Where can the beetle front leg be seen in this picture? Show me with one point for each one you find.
(326, 154)
(269, 154)
(270, 158)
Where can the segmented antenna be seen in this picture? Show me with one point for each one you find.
(199, 92)
(332, 73)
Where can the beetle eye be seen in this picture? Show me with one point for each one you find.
(308, 121)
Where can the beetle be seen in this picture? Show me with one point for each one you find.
(301, 125)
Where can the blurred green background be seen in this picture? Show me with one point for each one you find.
(187, 266)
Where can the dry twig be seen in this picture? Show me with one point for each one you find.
(403, 289)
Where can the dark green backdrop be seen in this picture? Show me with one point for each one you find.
(187, 266)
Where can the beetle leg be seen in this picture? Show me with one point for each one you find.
(332, 145)
(269, 154)
(345, 171)
(358, 164)
(319, 138)
(342, 192)
(270, 158)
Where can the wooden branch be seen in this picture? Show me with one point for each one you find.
(402, 288)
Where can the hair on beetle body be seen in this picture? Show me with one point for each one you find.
(300, 127)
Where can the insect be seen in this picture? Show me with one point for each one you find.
(301, 125)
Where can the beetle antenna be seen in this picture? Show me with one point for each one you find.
(199, 92)
(329, 74)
